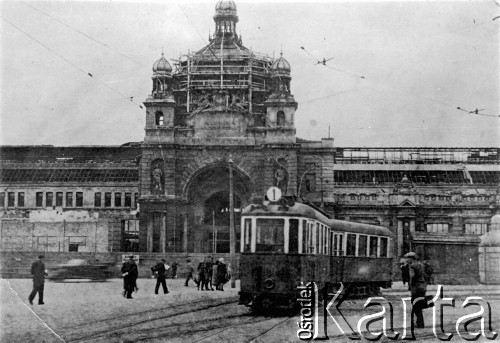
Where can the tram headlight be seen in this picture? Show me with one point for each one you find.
(269, 284)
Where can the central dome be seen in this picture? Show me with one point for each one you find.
(225, 7)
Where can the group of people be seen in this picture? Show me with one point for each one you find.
(418, 275)
(159, 271)
(208, 272)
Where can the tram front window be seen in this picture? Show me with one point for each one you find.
(270, 235)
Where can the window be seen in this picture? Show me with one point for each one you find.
(2, 199)
(59, 199)
(128, 199)
(11, 201)
(373, 246)
(437, 227)
(76, 241)
(293, 236)
(476, 228)
(159, 118)
(118, 199)
(363, 240)
(351, 245)
(39, 199)
(49, 199)
(247, 235)
(270, 235)
(304, 237)
(69, 199)
(97, 199)
(383, 246)
(47, 243)
(79, 199)
(311, 182)
(20, 199)
(136, 198)
(311, 236)
(280, 118)
(107, 199)
(130, 230)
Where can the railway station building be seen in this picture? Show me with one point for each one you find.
(220, 124)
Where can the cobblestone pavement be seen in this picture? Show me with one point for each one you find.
(97, 312)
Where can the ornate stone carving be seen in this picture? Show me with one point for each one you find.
(157, 178)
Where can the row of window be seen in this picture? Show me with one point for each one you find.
(71, 199)
(469, 228)
(289, 235)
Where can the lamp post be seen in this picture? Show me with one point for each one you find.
(232, 231)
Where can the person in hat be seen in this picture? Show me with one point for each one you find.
(417, 286)
(130, 273)
(39, 272)
(160, 272)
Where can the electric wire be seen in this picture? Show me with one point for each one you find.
(71, 63)
(83, 33)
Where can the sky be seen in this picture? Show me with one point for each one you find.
(399, 72)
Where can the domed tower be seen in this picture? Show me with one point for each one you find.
(220, 89)
(160, 105)
(280, 105)
(225, 19)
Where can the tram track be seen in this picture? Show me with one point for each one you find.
(132, 322)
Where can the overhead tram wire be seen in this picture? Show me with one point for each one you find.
(83, 34)
(199, 34)
(71, 63)
(387, 87)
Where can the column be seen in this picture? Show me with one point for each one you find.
(163, 232)
(185, 234)
(149, 234)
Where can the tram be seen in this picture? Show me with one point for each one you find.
(287, 243)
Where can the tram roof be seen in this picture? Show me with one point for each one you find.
(303, 210)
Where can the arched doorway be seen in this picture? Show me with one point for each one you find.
(209, 209)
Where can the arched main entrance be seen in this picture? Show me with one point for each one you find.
(209, 209)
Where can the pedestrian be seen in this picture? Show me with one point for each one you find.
(221, 274)
(190, 272)
(39, 273)
(201, 274)
(215, 275)
(174, 269)
(160, 272)
(130, 273)
(405, 270)
(207, 267)
(418, 287)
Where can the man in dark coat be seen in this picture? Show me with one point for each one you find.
(38, 271)
(418, 287)
(130, 273)
(160, 272)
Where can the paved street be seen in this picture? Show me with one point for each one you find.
(97, 312)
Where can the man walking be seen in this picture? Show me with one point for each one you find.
(130, 273)
(418, 287)
(190, 272)
(160, 272)
(38, 271)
